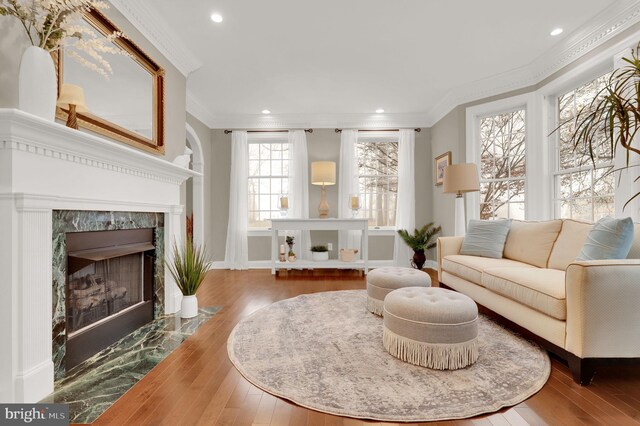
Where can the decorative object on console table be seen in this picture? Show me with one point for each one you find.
(441, 162)
(323, 173)
(282, 257)
(291, 256)
(354, 204)
(348, 255)
(459, 179)
(72, 99)
(320, 253)
(420, 241)
(283, 202)
(188, 268)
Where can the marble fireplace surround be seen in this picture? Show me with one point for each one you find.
(47, 167)
(68, 221)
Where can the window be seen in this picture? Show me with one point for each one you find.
(268, 178)
(503, 165)
(582, 191)
(378, 180)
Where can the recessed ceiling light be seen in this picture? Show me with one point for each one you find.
(379, 111)
(217, 18)
(557, 31)
(266, 111)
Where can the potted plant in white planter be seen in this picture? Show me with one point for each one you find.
(319, 253)
(188, 268)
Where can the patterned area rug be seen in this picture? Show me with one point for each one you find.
(324, 351)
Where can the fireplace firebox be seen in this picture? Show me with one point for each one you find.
(109, 288)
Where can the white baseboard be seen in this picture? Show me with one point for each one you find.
(266, 264)
(34, 384)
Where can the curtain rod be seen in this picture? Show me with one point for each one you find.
(417, 129)
(226, 132)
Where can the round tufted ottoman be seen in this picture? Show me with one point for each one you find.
(431, 327)
(382, 281)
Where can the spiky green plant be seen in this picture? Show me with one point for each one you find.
(613, 114)
(319, 249)
(188, 266)
(421, 239)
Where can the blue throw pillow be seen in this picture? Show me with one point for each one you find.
(609, 239)
(486, 238)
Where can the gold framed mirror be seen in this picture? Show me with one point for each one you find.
(129, 106)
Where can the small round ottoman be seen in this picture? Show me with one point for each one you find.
(382, 281)
(431, 327)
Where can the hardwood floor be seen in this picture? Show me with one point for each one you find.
(198, 385)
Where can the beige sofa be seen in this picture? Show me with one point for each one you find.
(589, 312)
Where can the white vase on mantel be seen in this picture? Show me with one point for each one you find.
(37, 85)
(189, 308)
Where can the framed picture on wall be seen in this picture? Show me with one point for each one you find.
(441, 161)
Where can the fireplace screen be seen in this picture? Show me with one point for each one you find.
(109, 290)
(104, 288)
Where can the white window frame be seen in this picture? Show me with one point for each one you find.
(474, 114)
(554, 138)
(261, 138)
(373, 137)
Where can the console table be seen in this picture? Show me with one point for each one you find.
(330, 224)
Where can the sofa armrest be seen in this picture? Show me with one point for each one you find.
(446, 247)
(602, 308)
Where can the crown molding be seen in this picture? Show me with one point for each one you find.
(149, 22)
(595, 32)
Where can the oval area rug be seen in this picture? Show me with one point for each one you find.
(324, 351)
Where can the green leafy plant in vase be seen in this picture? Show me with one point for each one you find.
(320, 253)
(419, 241)
(188, 267)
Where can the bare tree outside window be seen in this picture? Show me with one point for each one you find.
(378, 181)
(268, 178)
(582, 191)
(503, 166)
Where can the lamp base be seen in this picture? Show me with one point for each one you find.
(460, 223)
(72, 118)
(323, 208)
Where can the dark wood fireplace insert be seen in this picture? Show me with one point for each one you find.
(109, 288)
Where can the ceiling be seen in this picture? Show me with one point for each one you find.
(352, 57)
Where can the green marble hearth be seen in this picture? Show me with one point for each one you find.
(93, 386)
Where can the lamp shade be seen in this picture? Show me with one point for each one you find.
(323, 173)
(459, 178)
(70, 94)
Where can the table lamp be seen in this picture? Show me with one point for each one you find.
(72, 99)
(459, 179)
(323, 173)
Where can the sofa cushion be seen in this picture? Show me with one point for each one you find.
(470, 267)
(540, 289)
(531, 242)
(569, 243)
(486, 238)
(634, 253)
(610, 238)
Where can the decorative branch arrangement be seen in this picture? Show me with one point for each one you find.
(53, 24)
(613, 116)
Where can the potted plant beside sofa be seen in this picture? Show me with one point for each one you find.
(188, 268)
(420, 241)
(320, 253)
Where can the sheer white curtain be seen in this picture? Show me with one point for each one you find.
(299, 188)
(347, 184)
(406, 207)
(236, 253)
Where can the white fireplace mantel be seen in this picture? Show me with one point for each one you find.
(46, 166)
